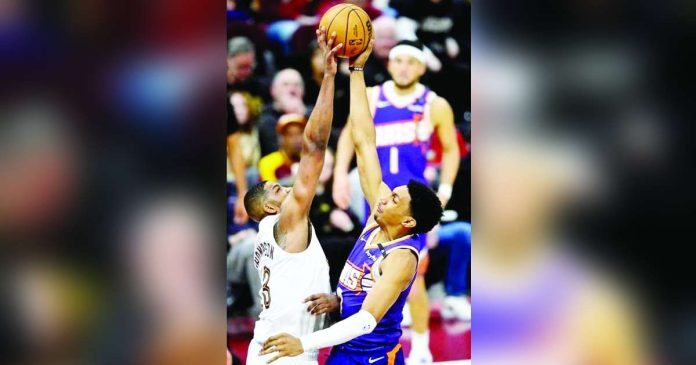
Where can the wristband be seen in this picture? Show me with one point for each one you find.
(355, 68)
(445, 190)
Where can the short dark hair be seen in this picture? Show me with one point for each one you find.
(426, 207)
(254, 200)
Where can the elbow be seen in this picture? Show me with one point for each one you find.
(450, 150)
(314, 145)
(367, 320)
(317, 138)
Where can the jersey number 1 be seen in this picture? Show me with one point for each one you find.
(265, 290)
(394, 160)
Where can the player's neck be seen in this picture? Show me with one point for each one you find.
(387, 234)
(408, 90)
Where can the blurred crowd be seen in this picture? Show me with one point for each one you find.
(274, 71)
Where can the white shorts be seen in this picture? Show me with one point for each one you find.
(253, 357)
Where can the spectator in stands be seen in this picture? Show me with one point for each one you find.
(385, 34)
(236, 181)
(242, 157)
(366, 5)
(240, 11)
(279, 165)
(443, 27)
(241, 63)
(244, 143)
(432, 22)
(287, 92)
(285, 17)
(247, 109)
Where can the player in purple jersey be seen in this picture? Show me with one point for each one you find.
(381, 268)
(406, 115)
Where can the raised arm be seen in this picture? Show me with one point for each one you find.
(316, 137)
(344, 155)
(363, 133)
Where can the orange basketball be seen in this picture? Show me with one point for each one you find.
(352, 26)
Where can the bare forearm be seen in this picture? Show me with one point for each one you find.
(450, 166)
(318, 128)
(344, 151)
(237, 160)
(362, 127)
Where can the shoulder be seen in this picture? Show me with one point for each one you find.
(402, 260)
(268, 114)
(266, 224)
(441, 110)
(440, 102)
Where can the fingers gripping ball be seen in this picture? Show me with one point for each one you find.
(352, 26)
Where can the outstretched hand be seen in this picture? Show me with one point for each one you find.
(283, 344)
(328, 50)
(361, 59)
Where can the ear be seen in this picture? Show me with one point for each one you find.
(408, 222)
(424, 68)
(270, 208)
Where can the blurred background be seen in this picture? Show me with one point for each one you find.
(582, 183)
(112, 162)
(112, 182)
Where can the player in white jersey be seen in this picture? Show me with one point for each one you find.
(291, 263)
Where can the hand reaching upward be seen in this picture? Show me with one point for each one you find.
(329, 53)
(361, 59)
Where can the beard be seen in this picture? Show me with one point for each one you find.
(406, 85)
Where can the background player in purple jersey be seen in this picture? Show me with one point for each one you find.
(381, 268)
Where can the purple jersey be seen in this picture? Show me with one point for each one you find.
(357, 279)
(403, 133)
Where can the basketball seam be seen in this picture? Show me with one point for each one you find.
(365, 37)
(347, 26)
(329, 27)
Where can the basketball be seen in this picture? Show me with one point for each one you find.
(352, 26)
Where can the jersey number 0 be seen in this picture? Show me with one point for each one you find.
(265, 290)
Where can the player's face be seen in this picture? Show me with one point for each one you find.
(276, 193)
(393, 208)
(405, 70)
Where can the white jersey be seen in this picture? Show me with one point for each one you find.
(287, 279)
